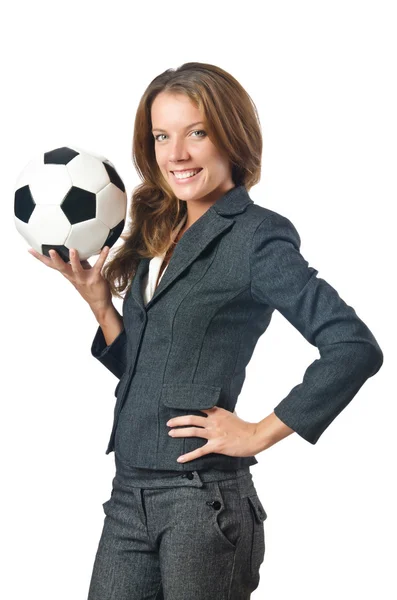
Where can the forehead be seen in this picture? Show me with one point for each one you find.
(174, 111)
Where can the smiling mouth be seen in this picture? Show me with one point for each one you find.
(189, 177)
(188, 170)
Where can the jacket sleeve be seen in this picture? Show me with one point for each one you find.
(114, 356)
(349, 353)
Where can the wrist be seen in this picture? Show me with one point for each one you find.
(103, 313)
(269, 431)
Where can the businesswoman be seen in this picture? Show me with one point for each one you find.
(202, 269)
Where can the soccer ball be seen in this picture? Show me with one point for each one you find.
(70, 198)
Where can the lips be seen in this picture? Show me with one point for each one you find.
(188, 170)
(186, 180)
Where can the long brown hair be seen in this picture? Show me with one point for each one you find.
(233, 125)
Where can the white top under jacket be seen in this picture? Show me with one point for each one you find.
(149, 282)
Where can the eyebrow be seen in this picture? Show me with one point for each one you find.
(187, 127)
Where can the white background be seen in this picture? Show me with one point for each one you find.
(323, 77)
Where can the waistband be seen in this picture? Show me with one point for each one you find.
(145, 478)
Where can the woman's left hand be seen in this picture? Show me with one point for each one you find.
(225, 431)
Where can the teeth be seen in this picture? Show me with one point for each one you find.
(186, 174)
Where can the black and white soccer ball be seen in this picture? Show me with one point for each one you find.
(69, 198)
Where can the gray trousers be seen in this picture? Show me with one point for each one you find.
(197, 535)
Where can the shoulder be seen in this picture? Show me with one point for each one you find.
(267, 225)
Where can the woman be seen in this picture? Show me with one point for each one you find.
(203, 268)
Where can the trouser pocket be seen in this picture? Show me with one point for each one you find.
(258, 516)
(225, 511)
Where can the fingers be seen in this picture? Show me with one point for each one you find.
(101, 259)
(41, 257)
(74, 266)
(75, 261)
(55, 261)
(58, 263)
(78, 267)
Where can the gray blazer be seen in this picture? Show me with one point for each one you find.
(189, 347)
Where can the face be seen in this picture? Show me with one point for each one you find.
(182, 144)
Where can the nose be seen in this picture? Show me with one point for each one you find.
(177, 151)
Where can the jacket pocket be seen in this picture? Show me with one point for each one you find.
(190, 395)
(179, 399)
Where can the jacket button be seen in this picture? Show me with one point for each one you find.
(190, 475)
(215, 504)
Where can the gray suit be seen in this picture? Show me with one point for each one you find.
(188, 348)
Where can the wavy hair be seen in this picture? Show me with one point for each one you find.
(233, 125)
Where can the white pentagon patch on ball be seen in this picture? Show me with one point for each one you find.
(70, 198)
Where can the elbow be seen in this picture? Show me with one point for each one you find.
(379, 361)
(359, 360)
(373, 358)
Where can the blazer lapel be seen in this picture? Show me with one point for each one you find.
(210, 225)
(192, 243)
(137, 283)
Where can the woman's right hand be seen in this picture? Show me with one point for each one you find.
(87, 280)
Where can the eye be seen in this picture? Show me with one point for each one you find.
(199, 131)
(156, 137)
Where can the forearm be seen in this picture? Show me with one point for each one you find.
(110, 321)
(269, 431)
